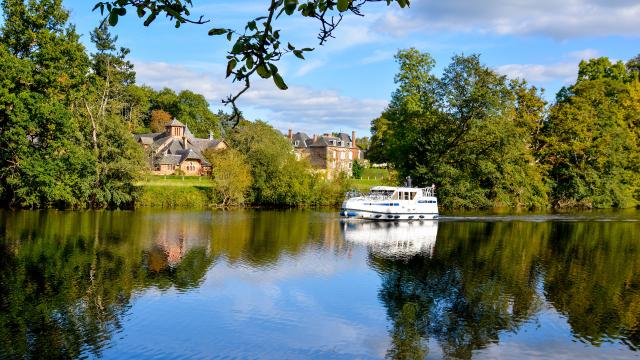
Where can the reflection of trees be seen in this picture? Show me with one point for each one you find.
(66, 279)
(262, 238)
(593, 277)
(483, 279)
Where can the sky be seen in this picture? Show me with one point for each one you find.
(348, 82)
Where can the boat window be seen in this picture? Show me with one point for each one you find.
(413, 195)
(395, 196)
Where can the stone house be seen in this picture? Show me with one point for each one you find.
(177, 149)
(330, 153)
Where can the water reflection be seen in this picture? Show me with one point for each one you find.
(284, 284)
(393, 239)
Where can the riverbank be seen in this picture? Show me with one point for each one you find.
(196, 192)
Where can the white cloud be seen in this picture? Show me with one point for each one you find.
(585, 54)
(565, 71)
(556, 19)
(378, 56)
(309, 66)
(301, 108)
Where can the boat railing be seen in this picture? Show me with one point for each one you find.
(370, 196)
(429, 191)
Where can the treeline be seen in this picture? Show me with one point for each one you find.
(66, 118)
(486, 141)
(66, 115)
(261, 168)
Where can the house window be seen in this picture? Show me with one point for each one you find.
(350, 155)
(342, 156)
(296, 143)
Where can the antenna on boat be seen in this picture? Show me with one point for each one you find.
(407, 182)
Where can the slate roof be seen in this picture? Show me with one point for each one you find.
(326, 141)
(169, 150)
(174, 122)
(303, 140)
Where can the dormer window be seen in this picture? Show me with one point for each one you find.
(332, 142)
(296, 143)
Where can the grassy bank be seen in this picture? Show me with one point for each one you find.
(174, 192)
(372, 177)
(165, 196)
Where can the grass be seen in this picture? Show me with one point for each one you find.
(371, 177)
(166, 196)
(175, 180)
(174, 191)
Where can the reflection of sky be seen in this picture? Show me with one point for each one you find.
(318, 305)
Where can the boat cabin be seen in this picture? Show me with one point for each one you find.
(396, 193)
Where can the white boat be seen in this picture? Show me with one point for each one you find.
(393, 239)
(391, 203)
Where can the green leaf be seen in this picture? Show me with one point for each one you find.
(263, 72)
(298, 53)
(343, 5)
(141, 12)
(113, 18)
(230, 66)
(277, 79)
(249, 62)
(290, 6)
(120, 11)
(217, 31)
(150, 19)
(229, 36)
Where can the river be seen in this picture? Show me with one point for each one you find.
(302, 284)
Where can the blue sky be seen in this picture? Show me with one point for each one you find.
(348, 82)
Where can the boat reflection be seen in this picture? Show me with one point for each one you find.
(393, 239)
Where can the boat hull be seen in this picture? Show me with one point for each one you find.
(386, 216)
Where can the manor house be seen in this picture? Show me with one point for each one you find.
(178, 150)
(330, 153)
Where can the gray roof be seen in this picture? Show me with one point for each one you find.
(174, 122)
(303, 140)
(171, 150)
(168, 160)
(325, 141)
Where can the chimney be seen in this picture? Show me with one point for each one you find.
(290, 134)
(184, 140)
(353, 139)
(315, 137)
(210, 135)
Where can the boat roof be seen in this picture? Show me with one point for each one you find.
(393, 188)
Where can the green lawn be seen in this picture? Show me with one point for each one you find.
(371, 177)
(175, 180)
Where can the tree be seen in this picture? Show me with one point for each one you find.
(159, 118)
(118, 159)
(43, 68)
(591, 144)
(467, 132)
(278, 178)
(231, 176)
(258, 47)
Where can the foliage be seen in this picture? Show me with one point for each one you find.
(231, 176)
(591, 140)
(170, 197)
(356, 170)
(42, 71)
(258, 47)
(463, 132)
(159, 118)
(190, 108)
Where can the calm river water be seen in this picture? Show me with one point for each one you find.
(301, 284)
